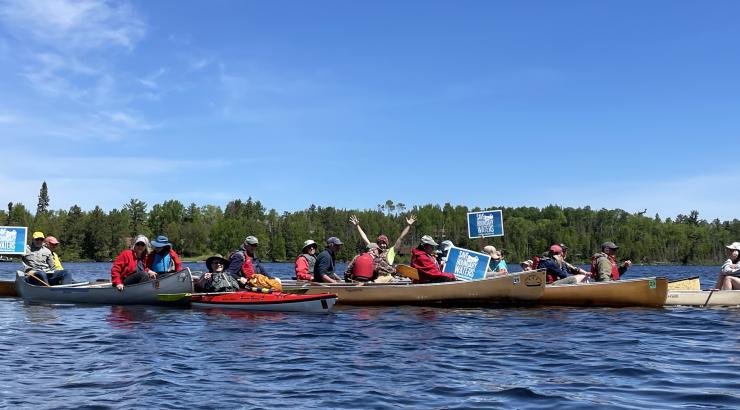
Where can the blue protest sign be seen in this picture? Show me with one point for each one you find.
(13, 240)
(466, 264)
(485, 223)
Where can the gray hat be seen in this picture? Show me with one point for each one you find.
(428, 240)
(307, 244)
(609, 245)
(735, 246)
(372, 245)
(252, 240)
(334, 241)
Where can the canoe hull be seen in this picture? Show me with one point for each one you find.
(144, 293)
(267, 302)
(703, 298)
(648, 292)
(516, 289)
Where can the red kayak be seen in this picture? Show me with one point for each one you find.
(270, 302)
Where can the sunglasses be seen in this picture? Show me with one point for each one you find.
(140, 244)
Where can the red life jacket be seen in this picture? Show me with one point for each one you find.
(594, 270)
(247, 268)
(535, 263)
(363, 266)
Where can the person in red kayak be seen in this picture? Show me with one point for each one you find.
(423, 260)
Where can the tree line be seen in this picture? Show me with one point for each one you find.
(198, 231)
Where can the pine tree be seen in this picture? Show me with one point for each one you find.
(43, 205)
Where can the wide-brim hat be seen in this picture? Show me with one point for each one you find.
(735, 246)
(214, 258)
(428, 240)
(308, 243)
(161, 242)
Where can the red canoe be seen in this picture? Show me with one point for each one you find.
(271, 302)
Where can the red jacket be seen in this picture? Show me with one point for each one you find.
(302, 271)
(123, 267)
(428, 268)
(173, 256)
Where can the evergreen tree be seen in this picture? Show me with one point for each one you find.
(137, 217)
(43, 204)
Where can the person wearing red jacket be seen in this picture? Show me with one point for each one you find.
(164, 259)
(306, 261)
(423, 260)
(130, 265)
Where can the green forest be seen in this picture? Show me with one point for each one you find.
(198, 231)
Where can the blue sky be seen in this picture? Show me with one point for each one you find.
(615, 104)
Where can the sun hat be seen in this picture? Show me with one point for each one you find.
(160, 242)
(38, 235)
(735, 246)
(252, 240)
(446, 245)
(334, 241)
(428, 240)
(609, 245)
(528, 262)
(140, 238)
(489, 249)
(214, 258)
(555, 250)
(52, 240)
(307, 244)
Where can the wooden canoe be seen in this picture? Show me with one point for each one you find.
(7, 288)
(703, 298)
(649, 292)
(144, 293)
(692, 283)
(521, 288)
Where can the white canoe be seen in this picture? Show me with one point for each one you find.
(144, 293)
(703, 298)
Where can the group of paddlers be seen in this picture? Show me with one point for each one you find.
(242, 269)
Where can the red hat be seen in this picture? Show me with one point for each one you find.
(382, 238)
(52, 240)
(556, 250)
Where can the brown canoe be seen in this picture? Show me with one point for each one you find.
(650, 292)
(521, 288)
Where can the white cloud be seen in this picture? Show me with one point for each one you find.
(150, 81)
(73, 25)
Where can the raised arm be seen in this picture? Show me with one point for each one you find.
(409, 221)
(356, 222)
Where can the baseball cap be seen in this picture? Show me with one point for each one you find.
(38, 235)
(252, 240)
(609, 245)
(334, 241)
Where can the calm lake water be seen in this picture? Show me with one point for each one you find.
(134, 357)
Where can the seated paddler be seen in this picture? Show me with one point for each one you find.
(39, 262)
(556, 269)
(130, 266)
(241, 267)
(424, 261)
(216, 279)
(364, 267)
(163, 259)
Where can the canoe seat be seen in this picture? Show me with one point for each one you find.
(408, 272)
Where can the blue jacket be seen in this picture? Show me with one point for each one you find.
(554, 272)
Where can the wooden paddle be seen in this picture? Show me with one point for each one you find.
(407, 272)
(33, 275)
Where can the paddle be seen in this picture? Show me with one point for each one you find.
(33, 275)
(407, 272)
(708, 297)
(691, 283)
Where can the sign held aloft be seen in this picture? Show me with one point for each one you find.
(466, 265)
(484, 224)
(13, 240)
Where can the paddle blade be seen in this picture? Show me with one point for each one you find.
(408, 272)
(172, 297)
